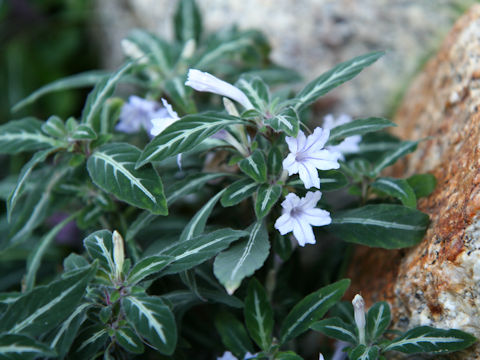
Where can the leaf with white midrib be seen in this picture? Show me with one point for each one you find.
(404, 148)
(258, 315)
(238, 191)
(112, 168)
(358, 127)
(398, 188)
(18, 346)
(242, 259)
(185, 134)
(220, 50)
(268, 195)
(378, 320)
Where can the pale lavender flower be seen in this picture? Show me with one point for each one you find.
(164, 120)
(227, 355)
(137, 113)
(300, 214)
(307, 154)
(203, 81)
(349, 145)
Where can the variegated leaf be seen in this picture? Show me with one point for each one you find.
(184, 135)
(25, 135)
(21, 347)
(336, 328)
(403, 148)
(287, 121)
(238, 191)
(99, 246)
(362, 352)
(255, 166)
(151, 46)
(55, 127)
(333, 78)
(129, 340)
(153, 320)
(188, 21)
(112, 168)
(243, 258)
(267, 196)
(358, 127)
(398, 188)
(147, 267)
(256, 90)
(378, 320)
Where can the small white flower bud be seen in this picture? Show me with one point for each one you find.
(359, 313)
(118, 253)
(189, 49)
(131, 50)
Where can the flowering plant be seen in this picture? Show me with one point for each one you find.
(179, 207)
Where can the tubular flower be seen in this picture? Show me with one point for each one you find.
(307, 154)
(138, 113)
(167, 118)
(300, 214)
(203, 81)
(349, 145)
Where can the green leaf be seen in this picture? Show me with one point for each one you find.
(147, 267)
(190, 184)
(287, 121)
(282, 246)
(43, 308)
(362, 352)
(25, 135)
(84, 79)
(55, 127)
(179, 94)
(99, 246)
(310, 309)
(187, 21)
(243, 258)
(153, 320)
(422, 184)
(255, 90)
(403, 148)
(21, 347)
(37, 158)
(65, 334)
(378, 320)
(188, 254)
(336, 328)
(258, 315)
(185, 134)
(196, 226)
(333, 78)
(358, 127)
(112, 168)
(383, 225)
(238, 191)
(89, 342)
(233, 334)
(268, 196)
(329, 180)
(74, 262)
(397, 188)
(255, 166)
(430, 340)
(84, 132)
(274, 161)
(129, 340)
(100, 93)
(287, 355)
(156, 49)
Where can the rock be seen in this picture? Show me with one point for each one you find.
(310, 36)
(437, 282)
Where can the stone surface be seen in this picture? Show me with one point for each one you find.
(437, 282)
(310, 36)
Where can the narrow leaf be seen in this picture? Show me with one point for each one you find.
(258, 315)
(362, 352)
(188, 254)
(190, 184)
(21, 347)
(397, 188)
(185, 134)
(256, 90)
(403, 148)
(238, 191)
(152, 46)
(267, 196)
(336, 328)
(99, 246)
(129, 340)
(243, 258)
(287, 121)
(274, 161)
(112, 168)
(378, 320)
(255, 166)
(329, 180)
(147, 267)
(333, 78)
(25, 135)
(233, 334)
(188, 21)
(153, 320)
(358, 127)
(428, 339)
(383, 225)
(311, 309)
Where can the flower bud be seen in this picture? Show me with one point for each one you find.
(118, 254)
(359, 313)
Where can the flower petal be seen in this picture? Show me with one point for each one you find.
(290, 164)
(284, 224)
(309, 175)
(317, 217)
(310, 200)
(303, 232)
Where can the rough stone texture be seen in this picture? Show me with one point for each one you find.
(311, 36)
(437, 282)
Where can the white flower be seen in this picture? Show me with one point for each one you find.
(167, 118)
(349, 145)
(203, 81)
(300, 214)
(227, 355)
(307, 155)
(138, 113)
